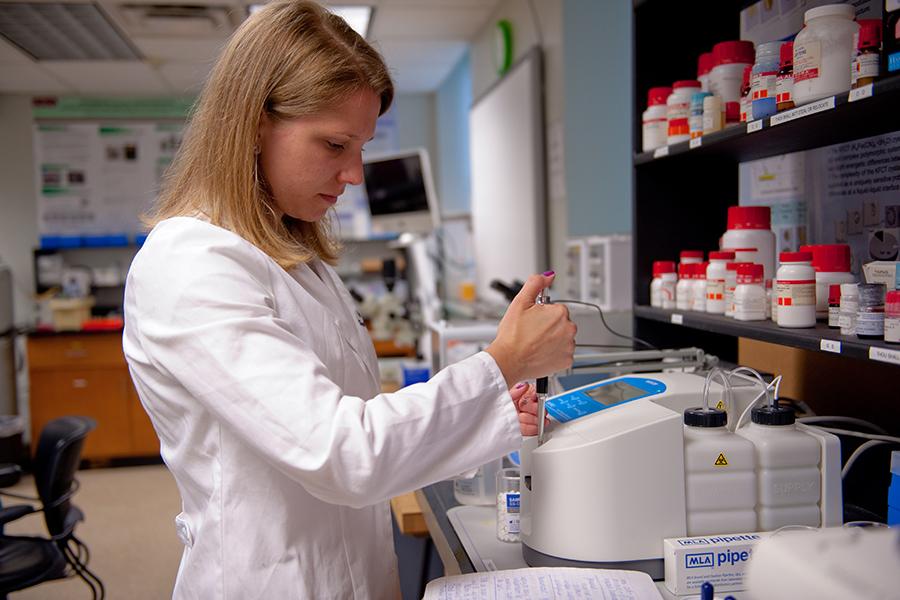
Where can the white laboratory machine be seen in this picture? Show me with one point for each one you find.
(607, 484)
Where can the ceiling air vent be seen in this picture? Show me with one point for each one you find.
(178, 20)
(51, 31)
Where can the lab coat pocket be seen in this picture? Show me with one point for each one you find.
(183, 529)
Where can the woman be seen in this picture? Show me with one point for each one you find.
(246, 350)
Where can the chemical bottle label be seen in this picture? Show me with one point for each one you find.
(866, 65)
(764, 85)
(784, 88)
(807, 60)
(715, 289)
(796, 292)
(721, 461)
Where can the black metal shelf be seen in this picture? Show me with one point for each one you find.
(820, 338)
(848, 120)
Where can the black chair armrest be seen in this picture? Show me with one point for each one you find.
(9, 474)
(11, 513)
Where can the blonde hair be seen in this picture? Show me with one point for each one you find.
(292, 58)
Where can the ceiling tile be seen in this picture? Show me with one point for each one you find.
(109, 77)
(405, 52)
(440, 23)
(10, 54)
(178, 50)
(29, 79)
(185, 78)
(416, 80)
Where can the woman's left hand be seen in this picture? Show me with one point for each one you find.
(524, 398)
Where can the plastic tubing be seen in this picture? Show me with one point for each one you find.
(712, 373)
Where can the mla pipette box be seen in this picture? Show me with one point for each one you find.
(718, 559)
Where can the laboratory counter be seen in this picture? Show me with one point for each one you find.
(465, 537)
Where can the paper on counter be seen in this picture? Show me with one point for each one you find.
(545, 584)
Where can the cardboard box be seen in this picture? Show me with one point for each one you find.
(718, 559)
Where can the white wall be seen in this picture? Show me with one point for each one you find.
(18, 225)
(534, 23)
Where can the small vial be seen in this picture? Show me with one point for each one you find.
(834, 306)
(713, 115)
(892, 317)
(870, 316)
(867, 61)
(784, 84)
(508, 498)
(849, 306)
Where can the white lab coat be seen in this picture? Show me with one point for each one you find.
(264, 389)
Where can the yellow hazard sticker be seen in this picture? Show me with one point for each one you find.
(721, 461)
(720, 405)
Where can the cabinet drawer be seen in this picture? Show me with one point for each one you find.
(72, 351)
(101, 395)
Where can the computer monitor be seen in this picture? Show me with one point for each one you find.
(400, 192)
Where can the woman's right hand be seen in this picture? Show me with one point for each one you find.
(533, 340)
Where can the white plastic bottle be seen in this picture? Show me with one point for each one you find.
(662, 288)
(704, 66)
(481, 489)
(750, 295)
(789, 486)
(685, 286)
(729, 61)
(731, 269)
(751, 227)
(720, 475)
(654, 125)
(832, 265)
(698, 288)
(824, 52)
(795, 285)
(686, 257)
(715, 281)
(678, 110)
(849, 308)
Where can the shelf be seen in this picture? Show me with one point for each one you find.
(814, 130)
(820, 338)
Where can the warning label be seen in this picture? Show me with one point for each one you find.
(721, 461)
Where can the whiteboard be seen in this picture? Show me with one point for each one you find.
(509, 207)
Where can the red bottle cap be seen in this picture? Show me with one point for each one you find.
(732, 112)
(683, 271)
(704, 64)
(749, 217)
(733, 266)
(745, 79)
(834, 293)
(700, 270)
(787, 55)
(691, 254)
(661, 267)
(740, 51)
(830, 258)
(892, 297)
(749, 273)
(658, 95)
(721, 255)
(686, 83)
(869, 33)
(790, 257)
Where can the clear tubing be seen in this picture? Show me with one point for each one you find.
(712, 373)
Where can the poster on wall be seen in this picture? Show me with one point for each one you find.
(95, 180)
(855, 202)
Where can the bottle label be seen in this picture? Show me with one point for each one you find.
(892, 329)
(870, 323)
(654, 132)
(866, 65)
(807, 60)
(750, 305)
(746, 109)
(834, 316)
(796, 292)
(784, 88)
(715, 289)
(764, 85)
(678, 114)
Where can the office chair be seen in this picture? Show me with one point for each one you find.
(27, 561)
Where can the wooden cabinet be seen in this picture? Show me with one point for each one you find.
(86, 374)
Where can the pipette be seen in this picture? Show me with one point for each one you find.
(542, 382)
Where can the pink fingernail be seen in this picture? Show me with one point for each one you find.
(519, 386)
(549, 273)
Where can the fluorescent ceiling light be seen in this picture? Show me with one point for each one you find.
(357, 16)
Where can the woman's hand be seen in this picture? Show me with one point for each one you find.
(524, 399)
(533, 340)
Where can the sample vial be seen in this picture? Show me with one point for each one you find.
(730, 284)
(892, 317)
(784, 84)
(867, 60)
(870, 316)
(834, 305)
(684, 287)
(715, 281)
(795, 285)
(750, 295)
(662, 288)
(508, 497)
(698, 288)
(713, 115)
(849, 307)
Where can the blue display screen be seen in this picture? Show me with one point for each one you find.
(601, 395)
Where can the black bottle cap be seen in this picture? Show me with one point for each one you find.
(712, 417)
(772, 415)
